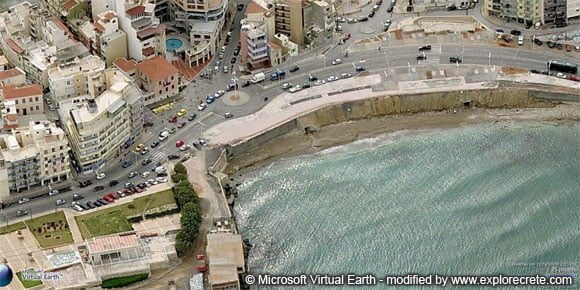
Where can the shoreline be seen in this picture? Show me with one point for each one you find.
(296, 143)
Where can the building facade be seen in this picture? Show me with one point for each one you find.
(34, 156)
(254, 48)
(145, 33)
(104, 38)
(158, 78)
(289, 17)
(70, 80)
(573, 10)
(27, 98)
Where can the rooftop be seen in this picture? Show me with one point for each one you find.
(10, 73)
(14, 46)
(254, 8)
(70, 4)
(225, 254)
(200, 26)
(113, 243)
(12, 92)
(124, 64)
(139, 9)
(157, 68)
(103, 103)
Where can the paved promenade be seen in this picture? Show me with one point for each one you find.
(289, 106)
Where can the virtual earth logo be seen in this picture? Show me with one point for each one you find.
(5, 275)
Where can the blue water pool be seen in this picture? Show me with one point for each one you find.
(173, 44)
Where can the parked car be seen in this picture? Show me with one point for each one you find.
(295, 88)
(128, 163)
(286, 86)
(23, 200)
(425, 47)
(246, 84)
(294, 69)
(201, 107)
(538, 42)
(21, 212)
(390, 9)
(99, 188)
(516, 32)
(146, 161)
(113, 182)
(100, 176)
(60, 202)
(237, 51)
(521, 40)
(360, 68)
(181, 113)
(155, 144)
(451, 7)
(173, 156)
(77, 196)
(337, 61)
(233, 60)
(191, 117)
(172, 119)
(133, 174)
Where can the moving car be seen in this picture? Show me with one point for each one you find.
(133, 174)
(240, 7)
(421, 57)
(360, 68)
(173, 156)
(455, 59)
(146, 161)
(337, 61)
(233, 60)
(294, 69)
(23, 200)
(113, 182)
(425, 47)
(295, 88)
(538, 42)
(228, 115)
(21, 212)
(128, 163)
(60, 202)
(77, 196)
(246, 84)
(99, 188)
(100, 176)
(346, 37)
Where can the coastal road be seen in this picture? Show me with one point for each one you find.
(390, 56)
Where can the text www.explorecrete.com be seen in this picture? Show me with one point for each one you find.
(498, 280)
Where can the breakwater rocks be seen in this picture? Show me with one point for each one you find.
(349, 121)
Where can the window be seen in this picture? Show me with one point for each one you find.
(36, 99)
(23, 101)
(37, 108)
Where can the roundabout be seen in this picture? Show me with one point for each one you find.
(235, 98)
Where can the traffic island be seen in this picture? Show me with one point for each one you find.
(235, 98)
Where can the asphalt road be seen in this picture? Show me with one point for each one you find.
(373, 60)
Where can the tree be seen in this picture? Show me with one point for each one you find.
(178, 177)
(179, 168)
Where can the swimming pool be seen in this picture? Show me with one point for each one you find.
(173, 44)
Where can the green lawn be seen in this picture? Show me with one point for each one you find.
(114, 220)
(123, 281)
(28, 283)
(50, 230)
(12, 228)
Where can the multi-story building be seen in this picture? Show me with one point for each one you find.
(145, 33)
(96, 129)
(289, 17)
(34, 156)
(162, 10)
(13, 76)
(253, 47)
(104, 38)
(158, 78)
(70, 80)
(323, 16)
(573, 9)
(258, 11)
(129, 67)
(27, 98)
(99, 123)
(555, 12)
(204, 21)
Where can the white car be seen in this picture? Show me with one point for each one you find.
(332, 78)
(77, 208)
(161, 179)
(337, 61)
(345, 75)
(286, 86)
(152, 181)
(100, 176)
(184, 147)
(219, 94)
(60, 202)
(202, 142)
(319, 82)
(53, 192)
(23, 200)
(521, 40)
(145, 174)
(163, 136)
(201, 107)
(561, 75)
(295, 88)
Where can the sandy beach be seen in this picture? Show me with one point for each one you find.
(297, 143)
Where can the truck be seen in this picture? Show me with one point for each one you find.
(278, 75)
(259, 77)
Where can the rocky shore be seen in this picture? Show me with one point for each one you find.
(296, 142)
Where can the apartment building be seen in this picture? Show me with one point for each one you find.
(13, 76)
(145, 33)
(158, 78)
(99, 123)
(96, 129)
(33, 156)
(204, 22)
(254, 49)
(290, 19)
(70, 80)
(259, 11)
(573, 10)
(555, 12)
(104, 38)
(27, 98)
(323, 17)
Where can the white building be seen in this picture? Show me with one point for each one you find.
(70, 80)
(145, 33)
(573, 9)
(33, 156)
(104, 38)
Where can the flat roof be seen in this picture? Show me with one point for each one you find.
(104, 103)
(124, 64)
(203, 26)
(225, 254)
(113, 243)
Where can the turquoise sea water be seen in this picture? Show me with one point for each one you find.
(476, 201)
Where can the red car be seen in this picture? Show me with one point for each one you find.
(201, 268)
(573, 78)
(172, 119)
(179, 143)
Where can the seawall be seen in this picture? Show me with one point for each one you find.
(299, 135)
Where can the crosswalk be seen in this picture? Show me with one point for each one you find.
(158, 155)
